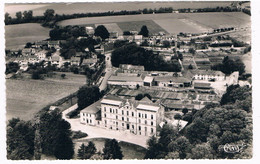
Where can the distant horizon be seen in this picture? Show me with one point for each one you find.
(87, 7)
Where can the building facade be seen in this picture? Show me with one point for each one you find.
(137, 117)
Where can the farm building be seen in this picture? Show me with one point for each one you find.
(126, 81)
(170, 81)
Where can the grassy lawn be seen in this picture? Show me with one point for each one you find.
(26, 97)
(18, 35)
(130, 151)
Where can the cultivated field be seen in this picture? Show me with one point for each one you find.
(112, 27)
(25, 97)
(71, 8)
(17, 36)
(173, 23)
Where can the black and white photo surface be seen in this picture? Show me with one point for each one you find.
(128, 80)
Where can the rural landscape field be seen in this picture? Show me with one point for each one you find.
(71, 8)
(16, 36)
(171, 23)
(26, 97)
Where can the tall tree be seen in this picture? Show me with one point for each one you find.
(87, 95)
(112, 150)
(180, 145)
(19, 16)
(144, 31)
(49, 15)
(7, 18)
(81, 151)
(102, 32)
(201, 151)
(56, 135)
(28, 15)
(20, 140)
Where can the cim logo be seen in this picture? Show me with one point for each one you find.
(232, 148)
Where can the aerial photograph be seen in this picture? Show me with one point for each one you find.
(128, 80)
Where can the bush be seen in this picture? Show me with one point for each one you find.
(72, 114)
(78, 134)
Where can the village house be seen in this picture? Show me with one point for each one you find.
(56, 59)
(26, 51)
(54, 44)
(40, 44)
(113, 34)
(90, 30)
(33, 59)
(75, 60)
(41, 55)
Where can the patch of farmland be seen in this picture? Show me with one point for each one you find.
(220, 19)
(16, 36)
(137, 25)
(175, 26)
(112, 27)
(116, 19)
(24, 98)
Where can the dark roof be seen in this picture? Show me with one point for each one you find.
(202, 85)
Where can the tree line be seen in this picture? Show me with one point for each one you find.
(49, 17)
(208, 9)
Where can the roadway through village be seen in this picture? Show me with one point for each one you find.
(97, 132)
(108, 70)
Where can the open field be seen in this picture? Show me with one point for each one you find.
(137, 25)
(130, 151)
(112, 27)
(18, 35)
(71, 8)
(26, 97)
(173, 23)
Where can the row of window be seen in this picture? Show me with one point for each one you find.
(85, 114)
(144, 115)
(139, 127)
(116, 111)
(127, 119)
(88, 121)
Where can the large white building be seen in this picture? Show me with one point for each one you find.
(138, 117)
